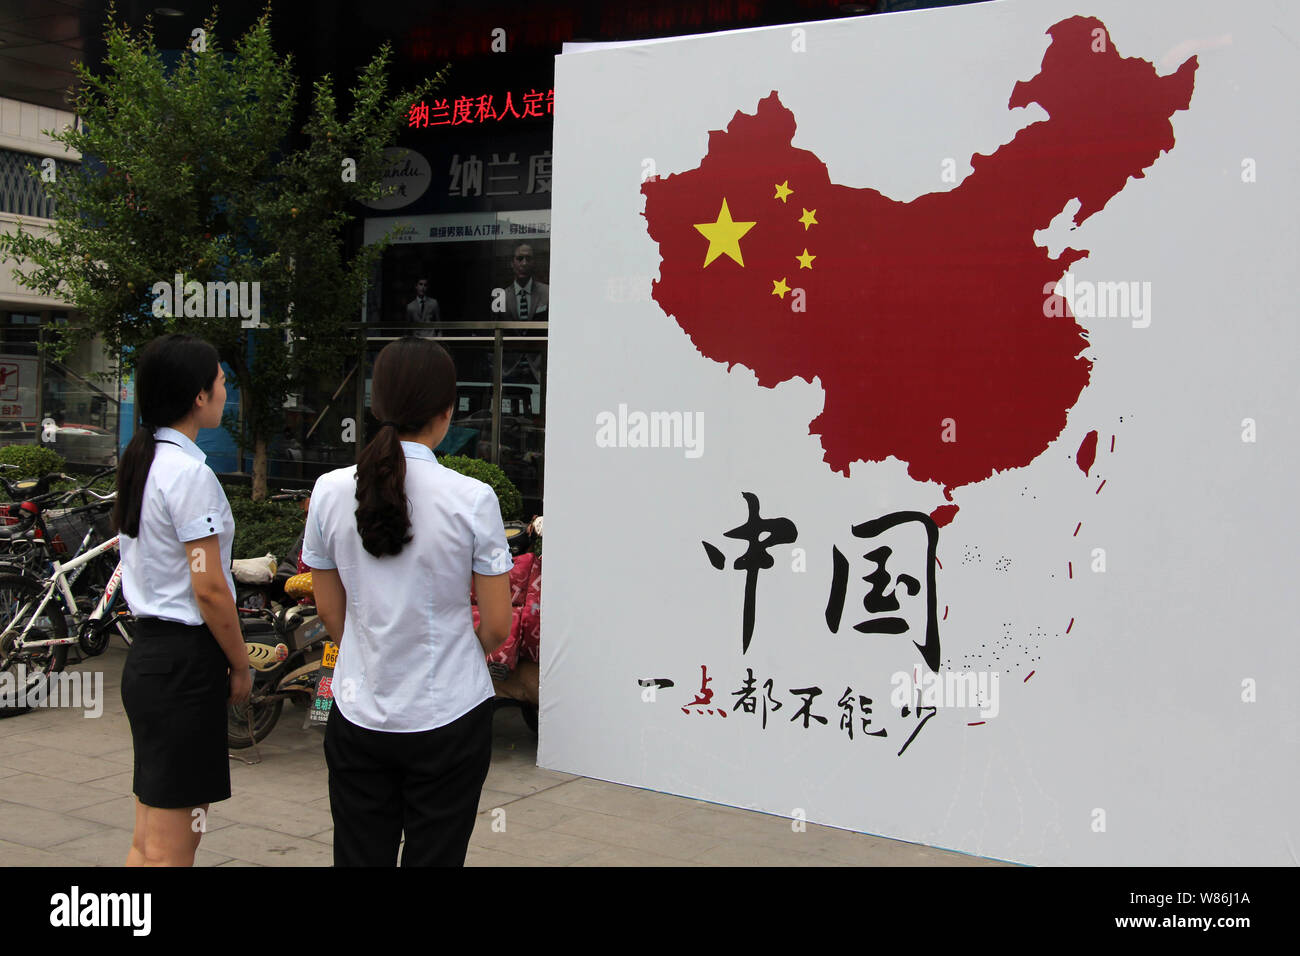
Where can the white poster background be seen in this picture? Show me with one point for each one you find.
(1131, 743)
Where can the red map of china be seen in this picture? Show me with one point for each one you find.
(923, 320)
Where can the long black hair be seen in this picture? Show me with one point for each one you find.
(170, 373)
(413, 382)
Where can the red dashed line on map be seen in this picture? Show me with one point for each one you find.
(1029, 675)
(1076, 529)
(1070, 625)
(1112, 444)
(975, 723)
(938, 562)
(1071, 568)
(945, 612)
(1100, 486)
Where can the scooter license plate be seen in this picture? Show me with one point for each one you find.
(331, 655)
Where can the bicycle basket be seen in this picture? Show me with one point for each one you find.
(67, 526)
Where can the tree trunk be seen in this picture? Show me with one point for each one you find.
(259, 468)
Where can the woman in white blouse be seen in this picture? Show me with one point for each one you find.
(188, 661)
(394, 544)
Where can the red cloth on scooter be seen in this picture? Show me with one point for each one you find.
(530, 636)
(520, 576)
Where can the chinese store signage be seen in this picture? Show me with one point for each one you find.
(479, 110)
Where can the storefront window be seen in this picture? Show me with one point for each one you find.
(78, 395)
(478, 283)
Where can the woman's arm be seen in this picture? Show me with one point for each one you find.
(217, 606)
(493, 593)
(331, 600)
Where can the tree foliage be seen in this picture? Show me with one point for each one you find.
(195, 168)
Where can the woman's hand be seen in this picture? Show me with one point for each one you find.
(241, 686)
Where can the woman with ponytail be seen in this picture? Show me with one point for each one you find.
(394, 544)
(188, 661)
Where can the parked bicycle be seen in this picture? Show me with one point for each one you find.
(62, 531)
(37, 609)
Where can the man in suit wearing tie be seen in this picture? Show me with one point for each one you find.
(423, 309)
(527, 299)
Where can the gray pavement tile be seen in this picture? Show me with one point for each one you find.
(116, 812)
(537, 814)
(16, 724)
(109, 846)
(259, 845)
(15, 854)
(72, 739)
(120, 812)
(491, 799)
(75, 768)
(615, 800)
(10, 746)
(637, 836)
(281, 785)
(124, 757)
(557, 849)
(518, 780)
(123, 782)
(49, 793)
(622, 856)
(271, 813)
(40, 829)
(481, 856)
(743, 853)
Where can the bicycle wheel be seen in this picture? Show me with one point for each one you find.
(19, 596)
(265, 715)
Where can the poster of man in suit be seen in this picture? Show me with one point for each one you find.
(423, 309)
(527, 298)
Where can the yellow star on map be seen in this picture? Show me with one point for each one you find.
(809, 218)
(723, 235)
(805, 260)
(779, 288)
(783, 190)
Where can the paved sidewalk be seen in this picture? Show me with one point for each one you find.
(65, 800)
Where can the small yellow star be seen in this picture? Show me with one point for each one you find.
(783, 190)
(805, 260)
(723, 235)
(809, 218)
(779, 288)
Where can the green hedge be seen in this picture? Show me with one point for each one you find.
(32, 461)
(262, 526)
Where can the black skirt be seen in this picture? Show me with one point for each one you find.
(174, 689)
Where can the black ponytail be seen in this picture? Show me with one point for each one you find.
(170, 374)
(413, 381)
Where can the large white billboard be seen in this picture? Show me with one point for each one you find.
(921, 449)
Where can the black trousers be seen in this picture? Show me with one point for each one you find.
(424, 784)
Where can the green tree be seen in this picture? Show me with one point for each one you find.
(191, 170)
